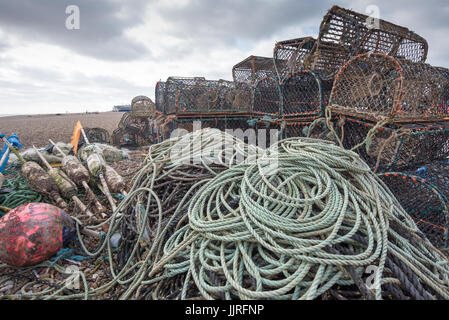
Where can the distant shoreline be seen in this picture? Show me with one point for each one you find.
(38, 128)
(54, 114)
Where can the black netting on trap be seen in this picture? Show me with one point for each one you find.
(159, 97)
(134, 131)
(345, 33)
(423, 202)
(399, 147)
(142, 107)
(305, 129)
(267, 131)
(95, 135)
(174, 86)
(252, 69)
(436, 173)
(304, 94)
(267, 97)
(289, 55)
(377, 86)
(201, 97)
(218, 123)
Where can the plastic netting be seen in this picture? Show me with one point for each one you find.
(436, 173)
(304, 94)
(374, 86)
(302, 128)
(159, 97)
(289, 55)
(397, 147)
(423, 202)
(200, 96)
(267, 97)
(218, 123)
(252, 69)
(345, 33)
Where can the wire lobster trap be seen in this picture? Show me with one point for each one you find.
(345, 34)
(95, 135)
(423, 202)
(395, 147)
(159, 95)
(252, 69)
(289, 55)
(134, 131)
(377, 86)
(304, 94)
(142, 107)
(267, 98)
(198, 96)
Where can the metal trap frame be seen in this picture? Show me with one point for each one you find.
(197, 96)
(395, 147)
(289, 55)
(252, 69)
(377, 86)
(345, 34)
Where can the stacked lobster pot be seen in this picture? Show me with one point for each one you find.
(391, 108)
(140, 126)
(253, 69)
(303, 92)
(194, 103)
(343, 35)
(396, 110)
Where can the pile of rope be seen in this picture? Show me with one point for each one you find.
(211, 217)
(20, 194)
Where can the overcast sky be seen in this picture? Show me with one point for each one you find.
(124, 47)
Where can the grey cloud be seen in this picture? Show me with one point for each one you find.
(228, 21)
(101, 35)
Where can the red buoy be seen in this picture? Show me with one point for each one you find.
(33, 232)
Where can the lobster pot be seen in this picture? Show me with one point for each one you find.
(142, 107)
(95, 135)
(289, 55)
(159, 97)
(400, 147)
(235, 97)
(197, 96)
(436, 173)
(134, 132)
(423, 202)
(304, 94)
(445, 74)
(252, 69)
(375, 86)
(267, 98)
(344, 34)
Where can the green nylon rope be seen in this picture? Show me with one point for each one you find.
(266, 229)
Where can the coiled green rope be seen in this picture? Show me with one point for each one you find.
(303, 218)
